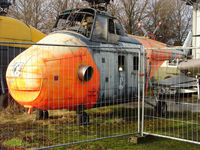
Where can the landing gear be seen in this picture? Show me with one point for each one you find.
(42, 115)
(3, 101)
(161, 109)
(83, 118)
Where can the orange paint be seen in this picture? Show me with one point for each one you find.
(48, 79)
(155, 56)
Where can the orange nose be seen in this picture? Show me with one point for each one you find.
(25, 80)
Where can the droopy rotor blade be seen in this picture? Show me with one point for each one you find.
(158, 26)
(142, 28)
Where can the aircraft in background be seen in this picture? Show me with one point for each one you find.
(12, 30)
(167, 80)
(104, 71)
(191, 68)
(173, 82)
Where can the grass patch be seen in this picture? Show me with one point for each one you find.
(16, 142)
(62, 128)
(150, 143)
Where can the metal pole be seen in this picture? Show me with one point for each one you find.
(139, 68)
(173, 138)
(143, 91)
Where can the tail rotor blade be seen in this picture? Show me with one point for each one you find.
(158, 26)
(142, 28)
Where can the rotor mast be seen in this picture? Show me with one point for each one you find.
(99, 4)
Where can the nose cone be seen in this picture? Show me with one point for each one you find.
(24, 78)
(190, 67)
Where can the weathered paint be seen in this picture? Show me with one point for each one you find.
(156, 57)
(12, 30)
(36, 87)
(48, 77)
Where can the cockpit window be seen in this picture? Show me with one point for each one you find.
(100, 30)
(119, 29)
(77, 21)
(98, 27)
(61, 24)
(111, 26)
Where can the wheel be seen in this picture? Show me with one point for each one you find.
(45, 114)
(83, 118)
(3, 101)
(161, 109)
(42, 115)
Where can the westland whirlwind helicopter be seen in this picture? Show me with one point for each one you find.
(12, 30)
(100, 73)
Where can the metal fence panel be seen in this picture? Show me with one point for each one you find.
(68, 77)
(175, 112)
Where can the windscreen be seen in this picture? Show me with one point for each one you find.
(80, 22)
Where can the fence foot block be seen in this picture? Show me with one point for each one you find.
(137, 139)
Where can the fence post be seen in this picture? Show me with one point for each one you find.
(139, 71)
(143, 89)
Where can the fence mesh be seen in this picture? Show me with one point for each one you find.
(74, 94)
(174, 112)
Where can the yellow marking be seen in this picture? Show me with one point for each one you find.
(28, 106)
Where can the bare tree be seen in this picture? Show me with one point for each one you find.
(176, 18)
(59, 6)
(183, 17)
(130, 12)
(41, 14)
(30, 12)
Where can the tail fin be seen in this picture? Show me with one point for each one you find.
(187, 43)
(188, 40)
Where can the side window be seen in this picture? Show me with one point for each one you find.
(100, 30)
(135, 63)
(119, 29)
(111, 26)
(121, 60)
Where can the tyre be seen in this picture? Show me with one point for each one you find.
(161, 109)
(42, 115)
(83, 118)
(3, 101)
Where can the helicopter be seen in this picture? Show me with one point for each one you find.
(12, 30)
(101, 72)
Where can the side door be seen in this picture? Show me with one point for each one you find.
(127, 76)
(133, 67)
(122, 76)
